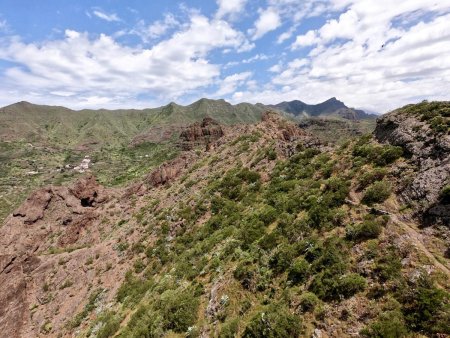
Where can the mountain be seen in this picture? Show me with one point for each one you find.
(247, 230)
(59, 125)
(330, 108)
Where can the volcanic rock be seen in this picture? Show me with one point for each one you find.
(429, 154)
(34, 206)
(200, 133)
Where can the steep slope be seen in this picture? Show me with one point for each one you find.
(258, 231)
(423, 132)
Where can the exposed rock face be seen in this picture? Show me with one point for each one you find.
(200, 134)
(33, 208)
(51, 218)
(168, 171)
(88, 191)
(286, 131)
(429, 153)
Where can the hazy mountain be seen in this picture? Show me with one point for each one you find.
(329, 108)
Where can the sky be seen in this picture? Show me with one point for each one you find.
(370, 54)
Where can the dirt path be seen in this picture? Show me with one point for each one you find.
(414, 235)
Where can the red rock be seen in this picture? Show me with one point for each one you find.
(33, 208)
(200, 133)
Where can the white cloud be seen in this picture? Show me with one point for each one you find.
(308, 39)
(256, 57)
(229, 84)
(156, 29)
(106, 16)
(374, 55)
(269, 20)
(102, 71)
(230, 7)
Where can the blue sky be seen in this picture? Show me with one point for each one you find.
(90, 54)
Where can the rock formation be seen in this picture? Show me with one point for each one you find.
(200, 134)
(429, 154)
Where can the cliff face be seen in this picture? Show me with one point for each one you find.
(422, 135)
(200, 134)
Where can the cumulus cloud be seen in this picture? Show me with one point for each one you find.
(374, 55)
(149, 32)
(269, 19)
(99, 70)
(110, 17)
(230, 8)
(230, 83)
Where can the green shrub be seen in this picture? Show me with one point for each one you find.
(369, 177)
(425, 307)
(368, 229)
(229, 329)
(246, 273)
(271, 154)
(145, 322)
(388, 155)
(308, 301)
(275, 322)
(281, 259)
(445, 194)
(377, 193)
(351, 284)
(299, 271)
(336, 191)
(132, 289)
(179, 309)
(388, 265)
(111, 323)
(390, 324)
(328, 285)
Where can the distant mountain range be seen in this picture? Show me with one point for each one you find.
(62, 126)
(330, 108)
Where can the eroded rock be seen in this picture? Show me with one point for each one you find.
(429, 154)
(34, 206)
(200, 134)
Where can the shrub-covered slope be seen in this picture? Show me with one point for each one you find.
(267, 233)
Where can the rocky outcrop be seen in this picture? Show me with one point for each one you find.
(286, 131)
(168, 171)
(88, 191)
(34, 206)
(429, 154)
(200, 134)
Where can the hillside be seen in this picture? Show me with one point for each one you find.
(251, 230)
(42, 144)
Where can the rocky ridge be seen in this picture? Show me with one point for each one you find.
(428, 172)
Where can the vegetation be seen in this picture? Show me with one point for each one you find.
(265, 246)
(378, 192)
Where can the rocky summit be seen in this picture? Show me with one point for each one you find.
(210, 227)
